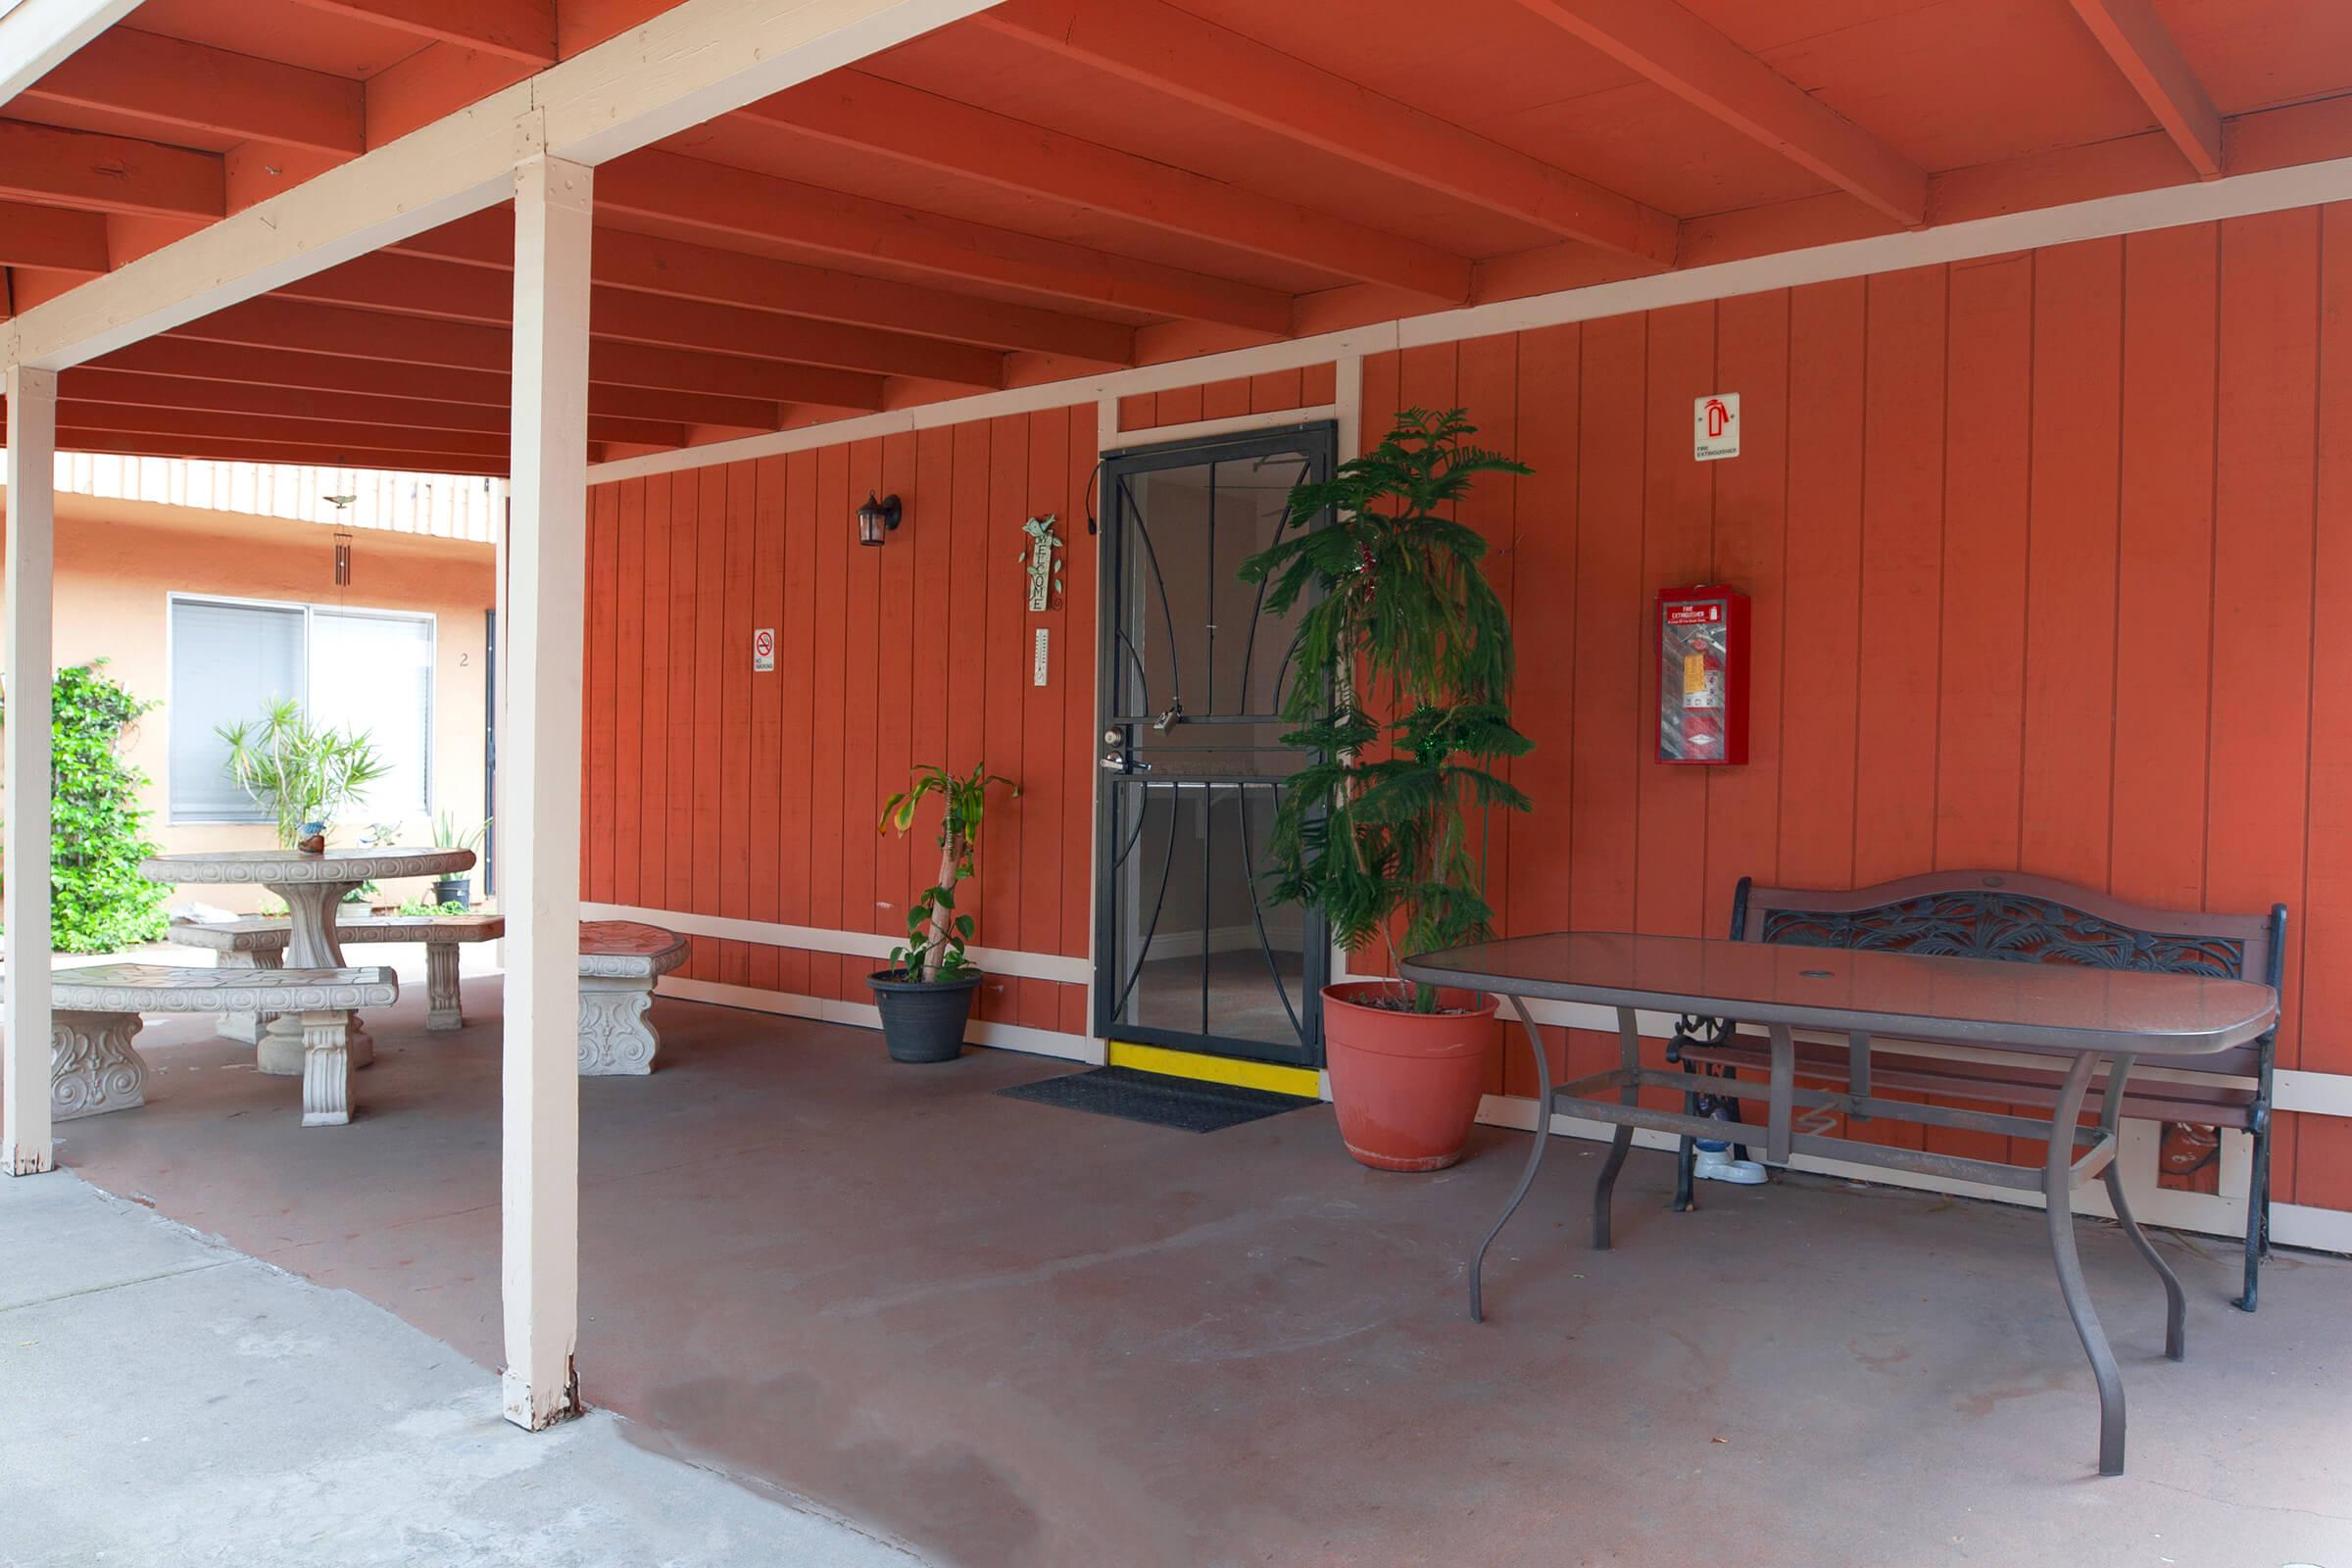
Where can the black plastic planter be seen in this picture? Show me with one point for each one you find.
(922, 1020)
(454, 890)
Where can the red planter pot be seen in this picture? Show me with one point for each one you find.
(1406, 1085)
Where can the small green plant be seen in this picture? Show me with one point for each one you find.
(98, 902)
(936, 933)
(299, 771)
(1396, 614)
(412, 908)
(448, 836)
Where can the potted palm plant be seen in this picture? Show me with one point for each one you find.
(302, 773)
(925, 996)
(1403, 671)
(447, 835)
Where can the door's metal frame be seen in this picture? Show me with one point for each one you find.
(1318, 442)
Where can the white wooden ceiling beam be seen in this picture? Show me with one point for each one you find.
(36, 35)
(692, 63)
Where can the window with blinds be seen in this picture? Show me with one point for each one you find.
(363, 669)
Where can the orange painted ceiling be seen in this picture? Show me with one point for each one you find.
(1059, 185)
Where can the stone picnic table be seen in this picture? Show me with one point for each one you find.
(312, 886)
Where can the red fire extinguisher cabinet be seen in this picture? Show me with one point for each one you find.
(1702, 675)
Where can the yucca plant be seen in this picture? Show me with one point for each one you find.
(936, 932)
(299, 771)
(1402, 673)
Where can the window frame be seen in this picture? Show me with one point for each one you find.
(175, 598)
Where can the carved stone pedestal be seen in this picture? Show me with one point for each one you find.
(93, 1068)
(325, 1068)
(614, 1038)
(441, 1009)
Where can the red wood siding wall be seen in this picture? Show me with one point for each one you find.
(2034, 544)
(717, 791)
(1313, 387)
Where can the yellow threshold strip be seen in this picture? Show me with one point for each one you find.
(1301, 1081)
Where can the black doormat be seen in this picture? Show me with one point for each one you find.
(1185, 1103)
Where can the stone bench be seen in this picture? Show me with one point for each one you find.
(620, 961)
(259, 942)
(93, 1068)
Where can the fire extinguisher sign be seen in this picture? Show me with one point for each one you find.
(1715, 426)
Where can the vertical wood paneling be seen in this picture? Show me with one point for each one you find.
(684, 734)
(653, 770)
(1604, 774)
(1225, 400)
(2033, 545)
(2077, 444)
(764, 827)
(597, 690)
(710, 702)
(1751, 498)
(861, 788)
(1678, 515)
(2265, 455)
(829, 671)
(1982, 658)
(737, 723)
(2322, 1167)
(1902, 551)
(1611, 740)
(1828, 334)
(796, 665)
(2164, 586)
(1005, 675)
(898, 871)
(628, 670)
(1045, 808)
(1544, 620)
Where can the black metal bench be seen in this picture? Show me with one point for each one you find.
(2025, 920)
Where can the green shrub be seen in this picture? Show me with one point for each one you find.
(98, 834)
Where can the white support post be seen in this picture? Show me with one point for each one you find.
(539, 763)
(26, 1146)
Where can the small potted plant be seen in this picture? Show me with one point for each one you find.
(925, 996)
(1403, 665)
(457, 889)
(302, 773)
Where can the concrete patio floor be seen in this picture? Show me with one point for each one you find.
(161, 1402)
(1003, 1332)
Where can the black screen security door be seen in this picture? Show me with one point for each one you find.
(1189, 950)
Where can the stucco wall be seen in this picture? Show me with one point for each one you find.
(118, 562)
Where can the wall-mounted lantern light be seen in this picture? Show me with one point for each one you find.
(876, 518)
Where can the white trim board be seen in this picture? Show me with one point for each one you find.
(2237, 196)
(865, 1015)
(849, 944)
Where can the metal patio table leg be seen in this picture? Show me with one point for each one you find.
(2176, 1301)
(2057, 1193)
(1535, 1155)
(1629, 1057)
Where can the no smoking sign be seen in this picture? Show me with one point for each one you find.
(763, 649)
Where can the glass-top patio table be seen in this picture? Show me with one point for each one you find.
(2086, 1017)
(312, 886)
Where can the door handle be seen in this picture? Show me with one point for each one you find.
(1118, 763)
